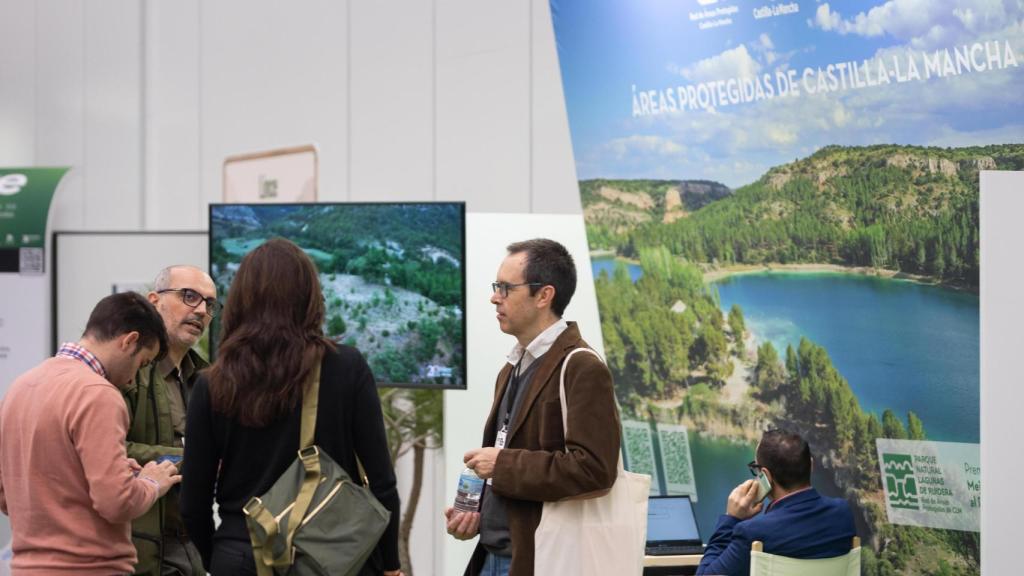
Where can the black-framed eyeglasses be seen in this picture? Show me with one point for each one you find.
(191, 298)
(503, 287)
(754, 468)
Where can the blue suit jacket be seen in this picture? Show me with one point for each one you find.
(802, 525)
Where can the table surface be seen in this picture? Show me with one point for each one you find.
(687, 560)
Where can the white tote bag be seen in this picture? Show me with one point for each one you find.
(603, 536)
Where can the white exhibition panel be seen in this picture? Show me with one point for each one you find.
(1002, 395)
(147, 99)
(23, 329)
(86, 266)
(486, 347)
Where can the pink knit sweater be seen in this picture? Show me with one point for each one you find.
(65, 480)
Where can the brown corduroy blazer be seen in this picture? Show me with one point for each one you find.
(539, 464)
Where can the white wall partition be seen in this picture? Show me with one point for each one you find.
(1002, 203)
(406, 100)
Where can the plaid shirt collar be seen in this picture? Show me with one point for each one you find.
(72, 350)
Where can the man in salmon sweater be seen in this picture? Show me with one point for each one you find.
(65, 480)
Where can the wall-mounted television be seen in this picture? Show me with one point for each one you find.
(393, 277)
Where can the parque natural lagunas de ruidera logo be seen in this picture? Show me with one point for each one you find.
(901, 484)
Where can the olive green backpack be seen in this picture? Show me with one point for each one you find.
(314, 520)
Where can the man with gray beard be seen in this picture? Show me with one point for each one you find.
(186, 299)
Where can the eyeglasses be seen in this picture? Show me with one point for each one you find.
(754, 468)
(192, 299)
(503, 287)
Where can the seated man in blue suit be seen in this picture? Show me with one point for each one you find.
(799, 522)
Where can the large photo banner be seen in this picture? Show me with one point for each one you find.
(781, 201)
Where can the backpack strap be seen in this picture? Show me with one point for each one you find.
(310, 400)
(262, 554)
(309, 455)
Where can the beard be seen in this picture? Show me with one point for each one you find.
(185, 334)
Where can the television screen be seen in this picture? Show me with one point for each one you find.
(393, 278)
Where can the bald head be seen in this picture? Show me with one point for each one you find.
(164, 280)
(185, 324)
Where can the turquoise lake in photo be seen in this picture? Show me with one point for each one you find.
(900, 345)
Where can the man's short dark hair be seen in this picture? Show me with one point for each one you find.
(787, 456)
(126, 312)
(548, 263)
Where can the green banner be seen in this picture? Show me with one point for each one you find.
(25, 195)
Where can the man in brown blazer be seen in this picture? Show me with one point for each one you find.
(526, 458)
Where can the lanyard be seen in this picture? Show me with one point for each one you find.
(512, 388)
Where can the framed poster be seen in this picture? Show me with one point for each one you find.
(282, 175)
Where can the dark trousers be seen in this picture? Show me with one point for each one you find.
(232, 558)
(180, 557)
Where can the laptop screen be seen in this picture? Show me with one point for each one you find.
(671, 519)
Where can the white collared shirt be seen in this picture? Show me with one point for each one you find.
(540, 345)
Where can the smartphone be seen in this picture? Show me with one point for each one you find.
(764, 487)
(176, 460)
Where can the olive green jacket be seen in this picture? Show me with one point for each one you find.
(150, 436)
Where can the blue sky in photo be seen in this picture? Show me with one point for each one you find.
(607, 47)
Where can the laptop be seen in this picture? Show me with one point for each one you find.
(672, 527)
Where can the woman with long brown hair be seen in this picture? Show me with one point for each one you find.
(244, 413)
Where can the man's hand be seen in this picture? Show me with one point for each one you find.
(743, 502)
(462, 525)
(481, 461)
(134, 465)
(165, 474)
